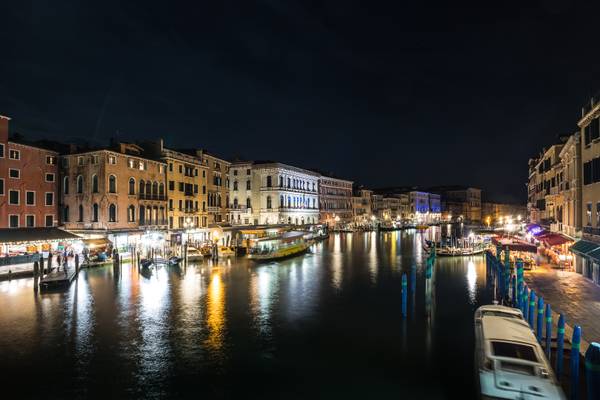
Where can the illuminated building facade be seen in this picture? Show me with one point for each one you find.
(335, 200)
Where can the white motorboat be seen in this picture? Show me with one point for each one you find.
(509, 361)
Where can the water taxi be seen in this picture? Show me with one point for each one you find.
(510, 363)
(193, 254)
(288, 244)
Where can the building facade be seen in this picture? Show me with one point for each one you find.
(493, 212)
(335, 201)
(217, 188)
(113, 190)
(460, 202)
(544, 201)
(240, 194)
(28, 183)
(362, 207)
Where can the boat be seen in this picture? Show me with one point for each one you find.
(146, 263)
(459, 251)
(509, 362)
(288, 244)
(174, 260)
(193, 254)
(226, 252)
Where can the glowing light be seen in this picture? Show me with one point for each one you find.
(472, 280)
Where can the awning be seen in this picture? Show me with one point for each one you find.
(553, 239)
(583, 247)
(595, 254)
(515, 245)
(21, 235)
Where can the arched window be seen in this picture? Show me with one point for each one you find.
(248, 203)
(112, 213)
(66, 185)
(235, 202)
(218, 200)
(162, 215)
(66, 214)
(289, 202)
(80, 214)
(79, 184)
(161, 189)
(95, 213)
(148, 188)
(281, 201)
(131, 186)
(288, 182)
(155, 188)
(281, 181)
(269, 202)
(94, 183)
(155, 215)
(227, 201)
(112, 184)
(269, 181)
(142, 215)
(142, 187)
(235, 185)
(248, 185)
(131, 213)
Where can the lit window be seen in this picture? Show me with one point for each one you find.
(142, 166)
(95, 159)
(14, 154)
(80, 160)
(112, 160)
(50, 160)
(131, 163)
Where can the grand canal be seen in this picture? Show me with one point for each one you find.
(324, 325)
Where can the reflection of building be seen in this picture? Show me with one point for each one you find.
(362, 206)
(186, 186)
(335, 200)
(460, 202)
(28, 183)
(113, 190)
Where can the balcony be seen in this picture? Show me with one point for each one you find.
(189, 210)
(161, 223)
(158, 197)
(241, 209)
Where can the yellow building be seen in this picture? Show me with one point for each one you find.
(186, 187)
(217, 188)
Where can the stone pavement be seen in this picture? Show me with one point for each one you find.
(569, 293)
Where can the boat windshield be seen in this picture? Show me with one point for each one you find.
(514, 350)
(494, 313)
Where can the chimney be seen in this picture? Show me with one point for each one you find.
(4, 128)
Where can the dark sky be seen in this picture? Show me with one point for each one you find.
(400, 93)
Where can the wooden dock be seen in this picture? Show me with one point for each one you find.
(58, 279)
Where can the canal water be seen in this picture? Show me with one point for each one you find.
(324, 325)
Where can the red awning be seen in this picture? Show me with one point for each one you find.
(515, 244)
(553, 239)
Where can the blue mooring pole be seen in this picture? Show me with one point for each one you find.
(560, 345)
(514, 292)
(592, 371)
(404, 295)
(531, 313)
(575, 344)
(540, 319)
(525, 303)
(519, 264)
(548, 332)
(506, 272)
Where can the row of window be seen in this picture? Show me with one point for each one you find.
(591, 131)
(16, 155)
(14, 196)
(14, 221)
(588, 213)
(14, 173)
(298, 184)
(146, 215)
(292, 202)
(591, 171)
(187, 170)
(248, 185)
(145, 187)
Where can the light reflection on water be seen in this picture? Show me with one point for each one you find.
(339, 304)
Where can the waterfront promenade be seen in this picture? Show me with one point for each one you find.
(569, 293)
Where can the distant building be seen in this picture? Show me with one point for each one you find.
(335, 200)
(217, 188)
(28, 183)
(460, 202)
(362, 206)
(543, 186)
(494, 212)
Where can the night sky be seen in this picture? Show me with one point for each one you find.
(384, 94)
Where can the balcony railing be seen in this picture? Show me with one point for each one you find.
(159, 197)
(189, 210)
(154, 223)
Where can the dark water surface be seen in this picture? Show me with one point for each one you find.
(323, 325)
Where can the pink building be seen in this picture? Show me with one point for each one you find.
(28, 183)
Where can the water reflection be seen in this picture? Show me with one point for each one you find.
(263, 292)
(373, 261)
(215, 314)
(336, 262)
(472, 281)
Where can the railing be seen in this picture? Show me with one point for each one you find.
(160, 197)
(24, 259)
(189, 210)
(153, 223)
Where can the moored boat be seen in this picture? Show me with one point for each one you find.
(510, 363)
(288, 244)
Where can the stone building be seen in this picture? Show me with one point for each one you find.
(28, 183)
(335, 200)
(570, 186)
(240, 194)
(113, 190)
(217, 188)
(186, 178)
(460, 202)
(362, 207)
(543, 186)
(494, 212)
